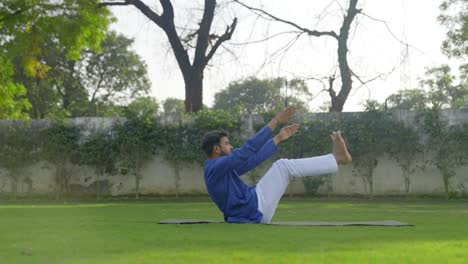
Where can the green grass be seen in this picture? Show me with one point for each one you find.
(127, 232)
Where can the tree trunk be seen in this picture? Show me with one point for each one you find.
(406, 176)
(68, 87)
(98, 185)
(194, 91)
(371, 183)
(192, 72)
(14, 187)
(58, 182)
(177, 178)
(339, 100)
(137, 186)
(446, 186)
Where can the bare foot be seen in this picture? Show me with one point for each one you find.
(340, 151)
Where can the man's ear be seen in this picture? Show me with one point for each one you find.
(216, 149)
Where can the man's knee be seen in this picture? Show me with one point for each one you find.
(280, 163)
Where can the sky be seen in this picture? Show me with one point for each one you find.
(377, 50)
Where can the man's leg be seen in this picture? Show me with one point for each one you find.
(273, 185)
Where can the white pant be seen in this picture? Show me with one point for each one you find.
(272, 186)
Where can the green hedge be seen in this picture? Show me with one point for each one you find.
(127, 145)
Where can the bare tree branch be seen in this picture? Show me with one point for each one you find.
(275, 18)
(265, 39)
(113, 4)
(278, 51)
(226, 36)
(391, 32)
(379, 76)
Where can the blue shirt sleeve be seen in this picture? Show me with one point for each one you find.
(263, 154)
(239, 156)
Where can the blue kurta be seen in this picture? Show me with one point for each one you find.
(234, 198)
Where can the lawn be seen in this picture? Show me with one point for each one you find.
(128, 232)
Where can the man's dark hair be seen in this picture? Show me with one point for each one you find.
(211, 139)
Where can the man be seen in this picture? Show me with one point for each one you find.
(254, 204)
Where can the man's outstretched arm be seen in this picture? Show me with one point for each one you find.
(239, 156)
(267, 149)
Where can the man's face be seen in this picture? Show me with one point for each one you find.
(224, 146)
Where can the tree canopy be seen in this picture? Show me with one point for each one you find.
(26, 25)
(263, 95)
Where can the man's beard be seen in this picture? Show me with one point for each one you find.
(223, 153)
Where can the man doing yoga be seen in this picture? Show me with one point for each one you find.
(241, 203)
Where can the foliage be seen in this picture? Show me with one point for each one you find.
(144, 108)
(13, 104)
(410, 99)
(74, 24)
(25, 27)
(259, 96)
(88, 86)
(60, 148)
(448, 145)
(128, 145)
(115, 75)
(440, 89)
(369, 138)
(454, 15)
(406, 149)
(18, 150)
(98, 151)
(313, 139)
(443, 92)
(173, 106)
(135, 142)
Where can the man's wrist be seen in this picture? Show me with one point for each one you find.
(277, 139)
(273, 124)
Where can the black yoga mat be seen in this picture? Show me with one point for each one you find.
(297, 223)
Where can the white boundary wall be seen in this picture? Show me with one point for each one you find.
(159, 176)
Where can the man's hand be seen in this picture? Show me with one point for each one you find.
(282, 117)
(285, 115)
(285, 133)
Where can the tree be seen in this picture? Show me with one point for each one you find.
(373, 105)
(89, 85)
(446, 144)
(411, 99)
(142, 108)
(24, 26)
(18, 150)
(182, 47)
(346, 74)
(313, 139)
(173, 106)
(60, 148)
(369, 136)
(13, 103)
(98, 151)
(438, 90)
(259, 96)
(405, 149)
(115, 75)
(443, 93)
(136, 141)
(454, 16)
